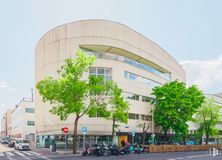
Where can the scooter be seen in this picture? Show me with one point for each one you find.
(139, 149)
(114, 150)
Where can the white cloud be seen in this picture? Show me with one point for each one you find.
(3, 84)
(207, 74)
(11, 89)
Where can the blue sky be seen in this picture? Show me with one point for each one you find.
(189, 30)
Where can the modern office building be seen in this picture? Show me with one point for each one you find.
(135, 62)
(23, 120)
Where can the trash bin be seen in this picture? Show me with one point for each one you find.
(52, 146)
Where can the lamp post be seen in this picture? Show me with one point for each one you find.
(153, 135)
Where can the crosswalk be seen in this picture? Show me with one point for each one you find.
(19, 153)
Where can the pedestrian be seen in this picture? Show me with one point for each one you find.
(123, 143)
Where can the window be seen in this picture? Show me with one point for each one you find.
(129, 61)
(30, 123)
(146, 99)
(133, 116)
(141, 79)
(131, 96)
(105, 73)
(29, 110)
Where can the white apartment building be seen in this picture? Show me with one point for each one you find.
(23, 120)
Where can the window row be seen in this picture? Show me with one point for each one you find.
(139, 117)
(29, 110)
(166, 76)
(105, 73)
(141, 79)
(30, 123)
(137, 97)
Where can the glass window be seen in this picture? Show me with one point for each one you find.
(133, 116)
(29, 110)
(146, 99)
(30, 123)
(132, 76)
(141, 79)
(129, 61)
(92, 70)
(100, 71)
(105, 73)
(131, 96)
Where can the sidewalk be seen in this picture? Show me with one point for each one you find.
(4, 148)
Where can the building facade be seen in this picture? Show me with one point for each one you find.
(23, 120)
(135, 62)
(6, 123)
(3, 126)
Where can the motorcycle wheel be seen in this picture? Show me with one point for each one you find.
(105, 153)
(83, 153)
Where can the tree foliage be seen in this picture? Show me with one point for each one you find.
(175, 105)
(71, 94)
(118, 106)
(207, 117)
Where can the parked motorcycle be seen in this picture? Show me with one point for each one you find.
(139, 149)
(114, 150)
(125, 149)
(96, 150)
(105, 150)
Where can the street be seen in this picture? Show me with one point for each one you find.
(44, 154)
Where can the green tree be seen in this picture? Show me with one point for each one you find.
(71, 94)
(118, 107)
(175, 105)
(145, 125)
(207, 117)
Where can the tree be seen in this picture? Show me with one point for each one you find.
(145, 125)
(118, 107)
(174, 106)
(71, 94)
(207, 117)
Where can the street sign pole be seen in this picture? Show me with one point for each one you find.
(84, 136)
(65, 143)
(84, 131)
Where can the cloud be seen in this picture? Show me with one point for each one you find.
(3, 84)
(207, 74)
(5, 87)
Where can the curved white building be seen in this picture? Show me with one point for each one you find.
(135, 62)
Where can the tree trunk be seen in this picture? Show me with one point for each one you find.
(75, 134)
(143, 135)
(165, 136)
(207, 137)
(184, 140)
(113, 130)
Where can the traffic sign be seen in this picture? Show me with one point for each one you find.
(65, 130)
(153, 135)
(133, 133)
(84, 129)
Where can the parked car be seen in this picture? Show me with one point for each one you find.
(22, 145)
(5, 141)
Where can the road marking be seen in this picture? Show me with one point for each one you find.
(1, 154)
(9, 154)
(27, 153)
(197, 156)
(19, 153)
(180, 158)
(45, 158)
(34, 153)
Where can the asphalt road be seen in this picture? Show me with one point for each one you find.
(27, 155)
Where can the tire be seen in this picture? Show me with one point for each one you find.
(83, 153)
(105, 153)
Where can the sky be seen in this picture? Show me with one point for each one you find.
(188, 30)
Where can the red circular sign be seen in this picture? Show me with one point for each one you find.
(65, 130)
